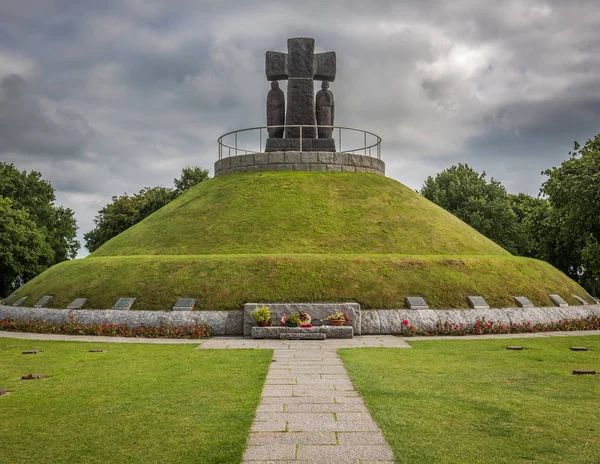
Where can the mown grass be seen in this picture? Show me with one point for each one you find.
(300, 212)
(222, 282)
(135, 403)
(475, 402)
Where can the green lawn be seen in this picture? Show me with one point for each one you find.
(464, 401)
(133, 403)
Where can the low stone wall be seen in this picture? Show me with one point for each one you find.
(221, 322)
(381, 322)
(365, 322)
(299, 161)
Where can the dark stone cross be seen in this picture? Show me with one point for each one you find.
(300, 66)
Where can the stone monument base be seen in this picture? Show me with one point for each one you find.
(323, 145)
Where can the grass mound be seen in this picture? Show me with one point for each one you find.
(300, 212)
(229, 281)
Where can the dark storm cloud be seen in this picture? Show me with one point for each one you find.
(107, 97)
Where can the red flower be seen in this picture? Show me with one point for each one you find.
(405, 322)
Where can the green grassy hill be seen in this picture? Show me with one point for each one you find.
(300, 212)
(300, 237)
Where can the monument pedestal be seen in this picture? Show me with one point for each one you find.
(308, 144)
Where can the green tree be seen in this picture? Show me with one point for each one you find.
(485, 206)
(127, 210)
(28, 192)
(190, 176)
(573, 190)
(24, 250)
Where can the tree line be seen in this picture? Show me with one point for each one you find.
(560, 226)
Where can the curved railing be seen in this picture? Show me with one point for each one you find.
(370, 146)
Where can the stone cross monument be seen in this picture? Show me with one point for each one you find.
(300, 66)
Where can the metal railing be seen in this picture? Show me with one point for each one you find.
(368, 145)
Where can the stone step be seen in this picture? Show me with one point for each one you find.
(328, 332)
(302, 336)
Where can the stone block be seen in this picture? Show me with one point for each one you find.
(370, 322)
(364, 161)
(77, 303)
(340, 158)
(523, 302)
(43, 302)
(276, 332)
(300, 107)
(309, 157)
(326, 158)
(323, 145)
(477, 302)
(318, 167)
(580, 299)
(346, 168)
(247, 160)
(235, 161)
(415, 302)
(558, 301)
(302, 336)
(276, 157)
(293, 157)
(333, 168)
(260, 158)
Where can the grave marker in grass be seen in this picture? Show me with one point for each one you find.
(579, 348)
(477, 302)
(32, 352)
(584, 372)
(416, 302)
(8, 299)
(558, 301)
(43, 302)
(581, 300)
(20, 301)
(184, 304)
(124, 303)
(33, 377)
(78, 303)
(523, 302)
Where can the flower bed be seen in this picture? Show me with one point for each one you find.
(482, 327)
(73, 327)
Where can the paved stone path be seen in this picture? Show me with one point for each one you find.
(309, 410)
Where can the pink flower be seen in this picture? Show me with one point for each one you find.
(405, 322)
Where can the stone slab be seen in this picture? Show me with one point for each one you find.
(580, 299)
(184, 304)
(477, 302)
(326, 331)
(43, 301)
(77, 303)
(523, 302)
(415, 302)
(275, 145)
(124, 303)
(302, 336)
(557, 300)
(20, 301)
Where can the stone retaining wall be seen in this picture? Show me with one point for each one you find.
(299, 161)
(366, 322)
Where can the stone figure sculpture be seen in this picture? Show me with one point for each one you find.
(275, 110)
(325, 111)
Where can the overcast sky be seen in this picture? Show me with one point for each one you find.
(106, 97)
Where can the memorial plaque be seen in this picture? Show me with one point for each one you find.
(184, 304)
(581, 300)
(32, 352)
(584, 372)
(7, 300)
(477, 302)
(77, 303)
(43, 302)
(515, 348)
(579, 348)
(4, 392)
(558, 301)
(415, 302)
(523, 302)
(124, 303)
(97, 351)
(20, 301)
(592, 298)
(33, 377)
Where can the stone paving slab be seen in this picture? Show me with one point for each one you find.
(314, 408)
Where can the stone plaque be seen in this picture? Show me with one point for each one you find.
(124, 303)
(7, 300)
(581, 300)
(32, 377)
(31, 352)
(523, 302)
(97, 351)
(558, 301)
(43, 302)
(477, 302)
(592, 299)
(415, 302)
(514, 348)
(20, 301)
(77, 303)
(579, 348)
(184, 304)
(584, 372)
